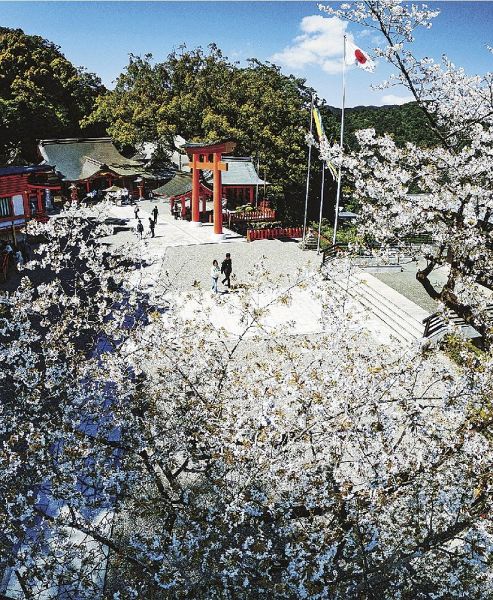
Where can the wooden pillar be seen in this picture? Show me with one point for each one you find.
(27, 206)
(88, 187)
(251, 194)
(195, 190)
(183, 207)
(140, 187)
(218, 209)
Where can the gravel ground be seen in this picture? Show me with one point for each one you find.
(403, 280)
(187, 264)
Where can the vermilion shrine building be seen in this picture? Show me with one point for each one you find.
(95, 164)
(25, 193)
(240, 184)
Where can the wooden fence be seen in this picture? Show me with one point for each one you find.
(265, 214)
(274, 233)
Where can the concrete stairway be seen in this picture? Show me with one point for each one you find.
(401, 317)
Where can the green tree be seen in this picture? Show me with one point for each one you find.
(203, 96)
(405, 123)
(41, 95)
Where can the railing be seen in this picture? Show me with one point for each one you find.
(438, 324)
(265, 214)
(274, 233)
(332, 251)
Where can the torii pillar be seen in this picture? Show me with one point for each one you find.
(208, 156)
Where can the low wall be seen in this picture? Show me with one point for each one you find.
(275, 233)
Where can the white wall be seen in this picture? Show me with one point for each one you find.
(18, 205)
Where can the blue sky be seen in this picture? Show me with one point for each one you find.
(100, 35)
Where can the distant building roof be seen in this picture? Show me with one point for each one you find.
(81, 158)
(347, 214)
(24, 170)
(241, 171)
(145, 151)
(179, 185)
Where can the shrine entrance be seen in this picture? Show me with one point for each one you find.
(207, 157)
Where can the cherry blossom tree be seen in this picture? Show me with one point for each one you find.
(149, 453)
(453, 180)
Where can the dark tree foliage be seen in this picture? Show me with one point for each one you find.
(41, 95)
(406, 123)
(201, 95)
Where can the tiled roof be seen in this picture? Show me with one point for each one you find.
(24, 170)
(179, 185)
(241, 171)
(80, 158)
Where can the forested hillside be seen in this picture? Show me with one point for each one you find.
(198, 94)
(405, 123)
(41, 95)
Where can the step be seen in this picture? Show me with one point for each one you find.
(411, 324)
(401, 316)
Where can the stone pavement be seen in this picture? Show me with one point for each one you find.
(178, 260)
(169, 231)
(402, 279)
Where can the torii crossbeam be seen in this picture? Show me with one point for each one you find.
(207, 156)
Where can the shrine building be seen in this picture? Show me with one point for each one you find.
(95, 164)
(25, 193)
(240, 184)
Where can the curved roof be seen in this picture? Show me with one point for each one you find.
(241, 171)
(81, 158)
(180, 185)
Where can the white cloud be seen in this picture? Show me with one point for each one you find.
(393, 99)
(321, 43)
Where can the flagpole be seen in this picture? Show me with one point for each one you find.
(338, 196)
(321, 207)
(308, 170)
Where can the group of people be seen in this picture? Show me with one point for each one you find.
(226, 266)
(152, 222)
(11, 254)
(226, 270)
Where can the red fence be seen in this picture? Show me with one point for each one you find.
(273, 234)
(265, 214)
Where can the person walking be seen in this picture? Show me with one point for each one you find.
(19, 259)
(152, 224)
(140, 229)
(215, 272)
(227, 269)
(136, 211)
(155, 212)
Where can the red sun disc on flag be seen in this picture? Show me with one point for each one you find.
(360, 57)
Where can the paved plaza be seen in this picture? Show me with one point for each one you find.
(187, 251)
(179, 259)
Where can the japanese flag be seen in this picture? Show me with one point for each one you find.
(356, 55)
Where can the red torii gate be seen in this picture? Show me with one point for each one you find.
(208, 156)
